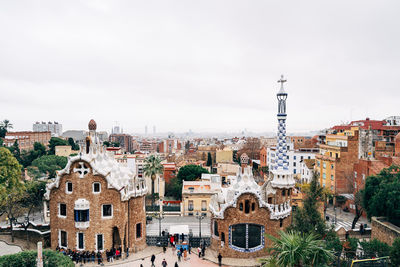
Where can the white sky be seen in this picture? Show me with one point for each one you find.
(200, 65)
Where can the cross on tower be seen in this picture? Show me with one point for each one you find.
(82, 170)
(282, 81)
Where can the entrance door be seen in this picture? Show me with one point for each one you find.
(116, 238)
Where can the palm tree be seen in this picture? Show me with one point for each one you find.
(5, 124)
(153, 167)
(294, 249)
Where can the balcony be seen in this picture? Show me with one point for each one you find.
(82, 225)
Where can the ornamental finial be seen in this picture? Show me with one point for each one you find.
(282, 81)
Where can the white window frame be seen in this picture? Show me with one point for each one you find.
(95, 236)
(66, 187)
(77, 241)
(99, 188)
(59, 238)
(112, 212)
(59, 211)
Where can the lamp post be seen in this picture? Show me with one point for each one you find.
(159, 218)
(200, 217)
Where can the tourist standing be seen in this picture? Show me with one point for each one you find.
(164, 263)
(219, 259)
(153, 258)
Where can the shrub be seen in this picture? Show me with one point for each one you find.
(28, 259)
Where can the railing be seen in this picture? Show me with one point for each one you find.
(82, 225)
(153, 208)
(172, 208)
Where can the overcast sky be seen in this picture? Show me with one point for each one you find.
(200, 65)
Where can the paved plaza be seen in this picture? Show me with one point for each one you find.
(153, 227)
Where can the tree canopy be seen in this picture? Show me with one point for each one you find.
(49, 164)
(71, 142)
(4, 126)
(55, 141)
(381, 195)
(28, 258)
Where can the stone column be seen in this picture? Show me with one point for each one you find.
(39, 255)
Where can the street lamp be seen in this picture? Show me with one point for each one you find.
(159, 218)
(200, 217)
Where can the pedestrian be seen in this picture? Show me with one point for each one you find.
(127, 252)
(203, 251)
(199, 251)
(179, 255)
(153, 258)
(190, 249)
(185, 254)
(164, 249)
(164, 263)
(176, 264)
(219, 259)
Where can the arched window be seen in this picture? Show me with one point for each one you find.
(241, 206)
(247, 206)
(87, 145)
(246, 237)
(283, 192)
(222, 237)
(280, 222)
(253, 206)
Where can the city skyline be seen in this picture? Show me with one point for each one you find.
(176, 70)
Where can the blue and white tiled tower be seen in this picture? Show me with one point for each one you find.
(282, 177)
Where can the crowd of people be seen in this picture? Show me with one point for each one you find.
(79, 256)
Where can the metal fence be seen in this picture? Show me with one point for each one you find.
(172, 208)
(161, 241)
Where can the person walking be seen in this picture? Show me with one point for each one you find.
(164, 249)
(176, 264)
(199, 251)
(179, 255)
(220, 259)
(164, 263)
(152, 259)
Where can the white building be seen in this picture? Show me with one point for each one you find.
(306, 170)
(54, 127)
(295, 157)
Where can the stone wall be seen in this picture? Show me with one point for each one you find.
(233, 215)
(384, 231)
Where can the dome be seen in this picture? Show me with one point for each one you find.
(92, 125)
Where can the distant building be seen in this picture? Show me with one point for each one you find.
(306, 170)
(124, 140)
(65, 151)
(224, 155)
(26, 140)
(54, 127)
(169, 171)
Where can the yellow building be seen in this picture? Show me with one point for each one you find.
(224, 155)
(196, 196)
(65, 151)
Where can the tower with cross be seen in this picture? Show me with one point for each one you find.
(280, 170)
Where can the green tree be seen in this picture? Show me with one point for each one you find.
(28, 156)
(49, 164)
(5, 125)
(11, 186)
(294, 249)
(395, 252)
(152, 167)
(28, 259)
(71, 142)
(106, 143)
(1, 141)
(55, 141)
(209, 159)
(374, 248)
(14, 149)
(186, 173)
(308, 219)
(381, 195)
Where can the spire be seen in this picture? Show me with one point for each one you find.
(282, 81)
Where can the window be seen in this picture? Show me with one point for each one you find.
(332, 177)
(332, 188)
(324, 165)
(68, 187)
(294, 164)
(323, 185)
(283, 192)
(63, 239)
(324, 175)
(363, 177)
(62, 210)
(96, 188)
(81, 241)
(247, 236)
(190, 205)
(203, 205)
(247, 206)
(241, 206)
(332, 166)
(81, 215)
(301, 158)
(280, 222)
(294, 157)
(270, 200)
(99, 242)
(216, 233)
(222, 237)
(294, 171)
(107, 211)
(253, 206)
(355, 174)
(355, 185)
(138, 230)
(309, 157)
(318, 164)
